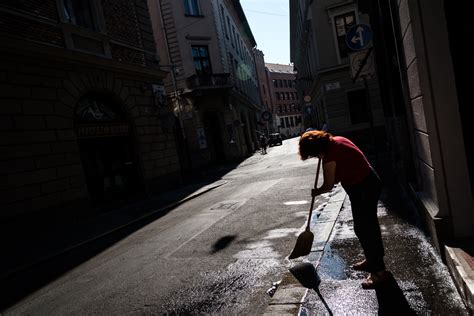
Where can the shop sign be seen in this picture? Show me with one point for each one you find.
(101, 130)
(333, 86)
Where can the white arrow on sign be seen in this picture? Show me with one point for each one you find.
(360, 39)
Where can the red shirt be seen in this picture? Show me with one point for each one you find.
(351, 164)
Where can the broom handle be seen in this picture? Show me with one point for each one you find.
(312, 199)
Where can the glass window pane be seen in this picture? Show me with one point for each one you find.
(186, 7)
(340, 28)
(79, 12)
(198, 67)
(203, 51)
(206, 66)
(350, 20)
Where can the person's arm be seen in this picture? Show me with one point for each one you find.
(329, 172)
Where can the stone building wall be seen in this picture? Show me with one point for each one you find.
(42, 79)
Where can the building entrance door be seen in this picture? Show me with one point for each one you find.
(106, 150)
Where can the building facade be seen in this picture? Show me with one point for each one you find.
(80, 121)
(286, 104)
(426, 75)
(266, 117)
(325, 76)
(215, 90)
(428, 93)
(303, 54)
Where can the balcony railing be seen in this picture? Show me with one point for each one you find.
(212, 81)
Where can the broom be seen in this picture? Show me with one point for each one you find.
(305, 239)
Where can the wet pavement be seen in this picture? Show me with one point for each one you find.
(421, 283)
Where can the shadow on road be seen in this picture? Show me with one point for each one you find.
(222, 243)
(38, 249)
(391, 299)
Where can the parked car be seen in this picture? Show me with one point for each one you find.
(275, 139)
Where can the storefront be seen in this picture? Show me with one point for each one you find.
(106, 148)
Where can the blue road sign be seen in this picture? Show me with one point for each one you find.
(359, 36)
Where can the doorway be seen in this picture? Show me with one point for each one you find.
(106, 150)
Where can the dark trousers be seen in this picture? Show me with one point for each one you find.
(364, 198)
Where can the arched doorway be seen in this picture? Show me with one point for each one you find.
(106, 148)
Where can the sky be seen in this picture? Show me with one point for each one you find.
(270, 24)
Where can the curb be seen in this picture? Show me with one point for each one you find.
(191, 196)
(462, 273)
(290, 294)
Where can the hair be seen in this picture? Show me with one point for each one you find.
(313, 143)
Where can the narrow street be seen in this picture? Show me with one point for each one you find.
(217, 253)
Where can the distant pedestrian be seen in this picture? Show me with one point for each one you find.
(344, 162)
(263, 144)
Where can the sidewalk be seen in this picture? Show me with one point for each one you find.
(422, 284)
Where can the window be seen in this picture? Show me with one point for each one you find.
(237, 39)
(224, 25)
(275, 83)
(228, 26)
(233, 36)
(202, 63)
(277, 95)
(80, 13)
(358, 106)
(237, 74)
(191, 7)
(285, 83)
(263, 88)
(282, 122)
(231, 62)
(279, 109)
(292, 122)
(343, 23)
(290, 84)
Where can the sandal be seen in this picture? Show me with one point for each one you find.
(376, 280)
(361, 266)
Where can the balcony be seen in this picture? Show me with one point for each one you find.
(209, 82)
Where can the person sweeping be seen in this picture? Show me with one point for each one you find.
(344, 162)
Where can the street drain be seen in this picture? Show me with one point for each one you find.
(227, 205)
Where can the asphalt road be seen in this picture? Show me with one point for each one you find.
(217, 253)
